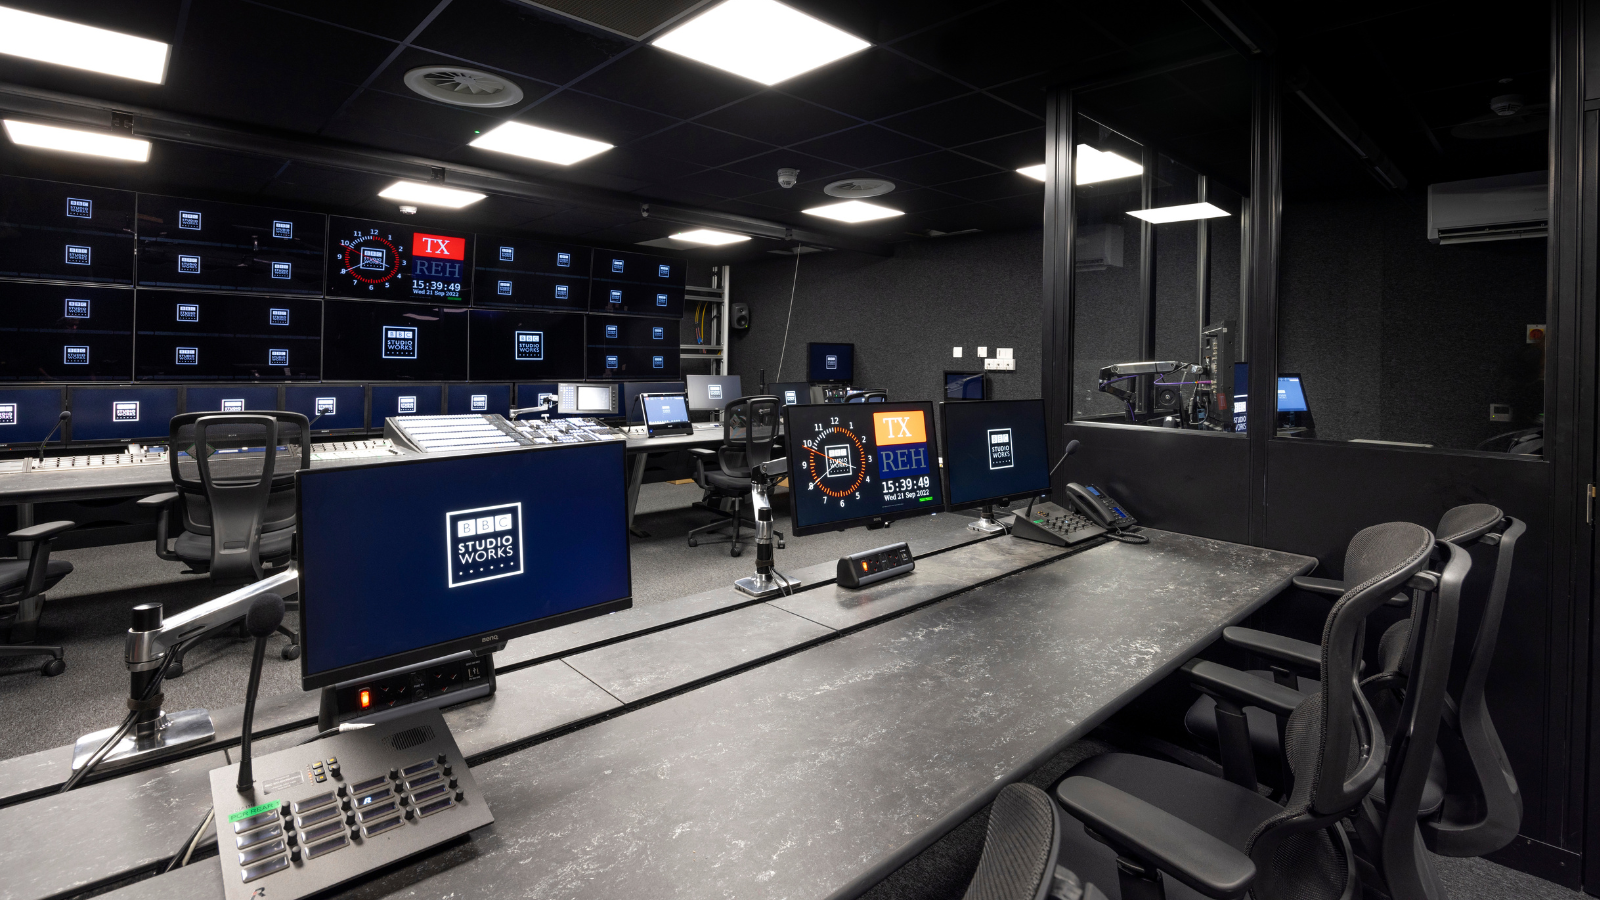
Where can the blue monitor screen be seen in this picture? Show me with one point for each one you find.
(1291, 396)
(230, 399)
(28, 414)
(403, 562)
(330, 407)
(963, 385)
(666, 410)
(632, 389)
(479, 398)
(831, 362)
(995, 450)
(403, 400)
(123, 414)
(790, 392)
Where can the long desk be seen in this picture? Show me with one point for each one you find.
(802, 747)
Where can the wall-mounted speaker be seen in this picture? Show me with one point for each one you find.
(741, 317)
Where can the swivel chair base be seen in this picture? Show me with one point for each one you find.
(173, 732)
(52, 667)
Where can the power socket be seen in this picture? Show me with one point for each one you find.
(999, 365)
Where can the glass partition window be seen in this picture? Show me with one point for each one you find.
(1108, 302)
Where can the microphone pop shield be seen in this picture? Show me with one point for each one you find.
(264, 616)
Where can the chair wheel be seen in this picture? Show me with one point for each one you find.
(736, 549)
(53, 668)
(693, 542)
(780, 545)
(290, 652)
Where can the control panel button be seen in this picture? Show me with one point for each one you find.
(315, 850)
(255, 837)
(361, 787)
(376, 797)
(310, 803)
(424, 781)
(323, 831)
(381, 827)
(257, 854)
(378, 812)
(321, 815)
(436, 806)
(421, 797)
(262, 869)
(419, 768)
(256, 821)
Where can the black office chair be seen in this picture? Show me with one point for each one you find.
(237, 502)
(867, 396)
(1130, 818)
(22, 586)
(749, 430)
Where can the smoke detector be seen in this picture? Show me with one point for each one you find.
(1506, 104)
(859, 188)
(463, 87)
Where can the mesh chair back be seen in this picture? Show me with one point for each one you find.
(749, 427)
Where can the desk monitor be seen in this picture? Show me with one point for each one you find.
(632, 389)
(403, 400)
(1294, 410)
(229, 399)
(28, 414)
(393, 342)
(403, 562)
(831, 362)
(477, 398)
(331, 408)
(854, 466)
(964, 386)
(122, 413)
(995, 451)
(587, 399)
(666, 414)
(712, 391)
(790, 392)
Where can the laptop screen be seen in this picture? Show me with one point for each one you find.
(665, 409)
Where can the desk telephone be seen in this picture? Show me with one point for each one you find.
(1100, 507)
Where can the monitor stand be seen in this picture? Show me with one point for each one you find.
(404, 691)
(986, 523)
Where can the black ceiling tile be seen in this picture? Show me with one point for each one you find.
(375, 132)
(884, 21)
(519, 39)
(705, 146)
(593, 117)
(673, 194)
(406, 113)
(873, 84)
(963, 120)
(766, 165)
(934, 168)
(666, 83)
(390, 18)
(651, 168)
(722, 183)
(578, 221)
(318, 187)
(992, 187)
(1012, 151)
(776, 119)
(865, 146)
(791, 199)
(918, 200)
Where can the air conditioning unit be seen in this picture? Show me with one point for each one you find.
(1502, 208)
(1098, 247)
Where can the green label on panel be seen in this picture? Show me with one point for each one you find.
(255, 810)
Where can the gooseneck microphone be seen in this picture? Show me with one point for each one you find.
(264, 617)
(66, 416)
(1072, 447)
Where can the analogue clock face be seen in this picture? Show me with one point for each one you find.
(836, 464)
(371, 258)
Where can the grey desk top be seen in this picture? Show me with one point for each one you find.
(816, 774)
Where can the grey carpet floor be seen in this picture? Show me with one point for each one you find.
(87, 614)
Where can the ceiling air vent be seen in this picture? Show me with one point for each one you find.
(859, 188)
(463, 87)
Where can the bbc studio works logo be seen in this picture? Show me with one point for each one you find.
(484, 543)
(125, 410)
(399, 342)
(8, 414)
(1000, 449)
(77, 309)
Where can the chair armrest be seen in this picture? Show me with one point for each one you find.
(1303, 654)
(1151, 835)
(164, 503)
(42, 532)
(1325, 586)
(157, 500)
(1242, 688)
(703, 453)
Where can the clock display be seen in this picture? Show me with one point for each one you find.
(385, 261)
(852, 464)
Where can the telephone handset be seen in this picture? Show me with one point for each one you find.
(1100, 507)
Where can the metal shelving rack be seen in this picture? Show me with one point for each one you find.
(717, 351)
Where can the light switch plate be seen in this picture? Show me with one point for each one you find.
(957, 353)
(1000, 365)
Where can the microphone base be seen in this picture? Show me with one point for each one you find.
(173, 732)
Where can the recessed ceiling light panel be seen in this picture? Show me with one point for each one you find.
(71, 140)
(709, 237)
(66, 43)
(761, 40)
(1093, 166)
(533, 142)
(1187, 212)
(430, 194)
(853, 211)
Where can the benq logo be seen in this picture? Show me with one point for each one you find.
(438, 246)
(188, 312)
(616, 265)
(407, 404)
(125, 410)
(530, 346)
(77, 255)
(508, 254)
(188, 356)
(282, 270)
(661, 299)
(284, 230)
(1000, 449)
(657, 333)
(399, 342)
(233, 406)
(484, 543)
(189, 220)
(564, 260)
(74, 355)
(611, 332)
(277, 357)
(278, 317)
(561, 292)
(8, 414)
(188, 265)
(664, 271)
(80, 209)
(503, 288)
(77, 309)
(480, 402)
